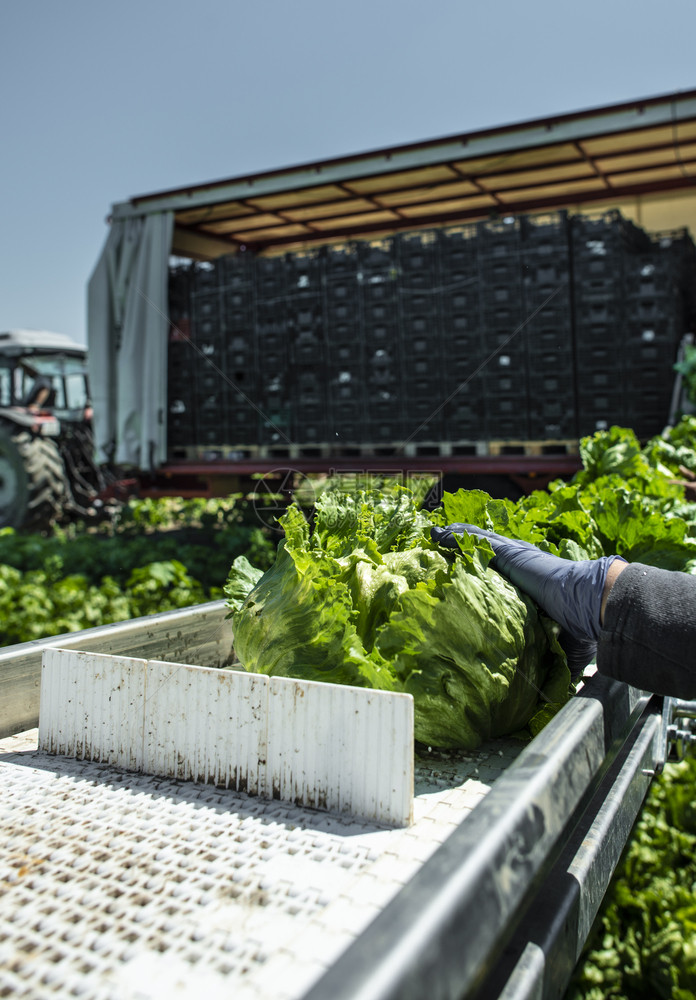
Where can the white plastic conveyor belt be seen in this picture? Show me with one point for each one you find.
(128, 886)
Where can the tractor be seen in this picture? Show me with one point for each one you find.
(47, 469)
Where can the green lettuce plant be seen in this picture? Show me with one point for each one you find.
(367, 599)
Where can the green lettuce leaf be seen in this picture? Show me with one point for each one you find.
(366, 598)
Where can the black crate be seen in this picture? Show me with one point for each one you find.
(459, 369)
(546, 232)
(497, 273)
(423, 384)
(461, 298)
(494, 296)
(458, 249)
(499, 384)
(602, 233)
(499, 241)
(551, 384)
(545, 339)
(424, 326)
(237, 272)
(308, 389)
(422, 423)
(546, 274)
(377, 255)
(597, 313)
(599, 410)
(608, 265)
(378, 288)
(652, 309)
(206, 276)
(240, 349)
(304, 311)
(501, 315)
(344, 350)
(547, 361)
(343, 391)
(348, 433)
(307, 348)
(181, 421)
(589, 335)
(422, 348)
(418, 256)
(304, 271)
(648, 276)
(341, 259)
(552, 426)
(272, 340)
(342, 313)
(270, 279)
(379, 313)
(460, 332)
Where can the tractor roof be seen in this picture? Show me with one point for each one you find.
(17, 342)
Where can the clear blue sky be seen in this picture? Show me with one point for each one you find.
(101, 101)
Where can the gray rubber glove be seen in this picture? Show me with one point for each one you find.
(570, 592)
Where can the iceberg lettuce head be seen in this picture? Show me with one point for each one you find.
(366, 598)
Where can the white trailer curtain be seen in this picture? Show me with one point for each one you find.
(127, 334)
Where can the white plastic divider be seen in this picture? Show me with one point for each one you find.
(326, 746)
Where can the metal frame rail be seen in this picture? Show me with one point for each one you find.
(503, 908)
(200, 634)
(461, 927)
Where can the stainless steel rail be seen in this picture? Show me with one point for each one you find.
(445, 932)
(200, 635)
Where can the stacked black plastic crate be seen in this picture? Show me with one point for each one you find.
(462, 340)
(602, 246)
(274, 382)
(345, 349)
(181, 432)
(504, 378)
(207, 355)
(654, 325)
(238, 366)
(304, 308)
(382, 345)
(421, 336)
(548, 326)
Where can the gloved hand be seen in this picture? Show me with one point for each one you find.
(570, 592)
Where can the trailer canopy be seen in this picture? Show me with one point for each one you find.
(639, 157)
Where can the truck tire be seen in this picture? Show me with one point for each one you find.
(33, 487)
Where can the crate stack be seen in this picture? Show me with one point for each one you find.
(504, 379)
(383, 361)
(547, 333)
(304, 308)
(524, 329)
(238, 368)
(601, 247)
(272, 345)
(420, 337)
(181, 431)
(207, 356)
(462, 341)
(345, 348)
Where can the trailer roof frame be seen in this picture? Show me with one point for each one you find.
(600, 155)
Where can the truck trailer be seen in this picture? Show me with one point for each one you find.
(472, 305)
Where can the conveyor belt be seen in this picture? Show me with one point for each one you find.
(124, 886)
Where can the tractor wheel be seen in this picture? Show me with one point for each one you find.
(33, 488)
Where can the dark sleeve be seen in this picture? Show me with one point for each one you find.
(649, 634)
